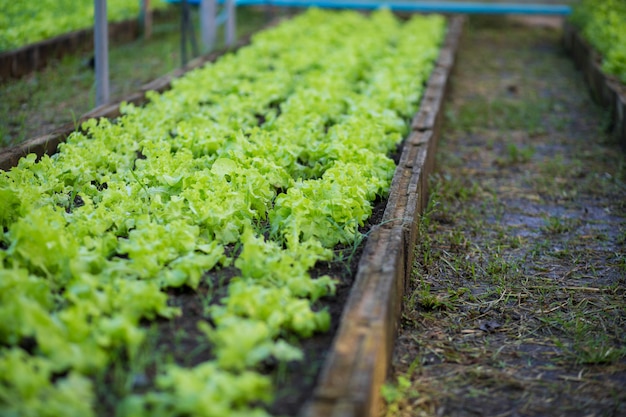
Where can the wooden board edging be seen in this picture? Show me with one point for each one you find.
(358, 362)
(606, 90)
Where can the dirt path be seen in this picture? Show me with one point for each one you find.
(517, 304)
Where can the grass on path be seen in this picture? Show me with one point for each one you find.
(517, 304)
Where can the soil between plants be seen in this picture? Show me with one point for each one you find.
(180, 341)
(517, 305)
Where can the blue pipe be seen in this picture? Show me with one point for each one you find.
(416, 6)
(423, 6)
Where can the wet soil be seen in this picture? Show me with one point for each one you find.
(517, 305)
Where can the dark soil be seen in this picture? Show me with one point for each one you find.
(517, 302)
(180, 341)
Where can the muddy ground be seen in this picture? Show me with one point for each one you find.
(517, 301)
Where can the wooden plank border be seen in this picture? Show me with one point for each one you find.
(358, 362)
(605, 89)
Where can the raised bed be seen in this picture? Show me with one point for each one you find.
(22, 61)
(605, 89)
(357, 364)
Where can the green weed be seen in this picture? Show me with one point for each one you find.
(518, 155)
(557, 225)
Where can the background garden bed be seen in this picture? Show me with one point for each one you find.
(29, 58)
(605, 89)
(356, 365)
(57, 95)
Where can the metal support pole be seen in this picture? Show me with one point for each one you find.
(231, 23)
(192, 33)
(270, 10)
(186, 29)
(208, 25)
(146, 18)
(183, 32)
(101, 44)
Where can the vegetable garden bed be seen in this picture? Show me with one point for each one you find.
(85, 304)
(606, 89)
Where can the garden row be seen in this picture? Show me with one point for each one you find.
(596, 39)
(263, 162)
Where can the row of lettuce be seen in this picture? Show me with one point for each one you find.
(26, 22)
(603, 23)
(278, 149)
